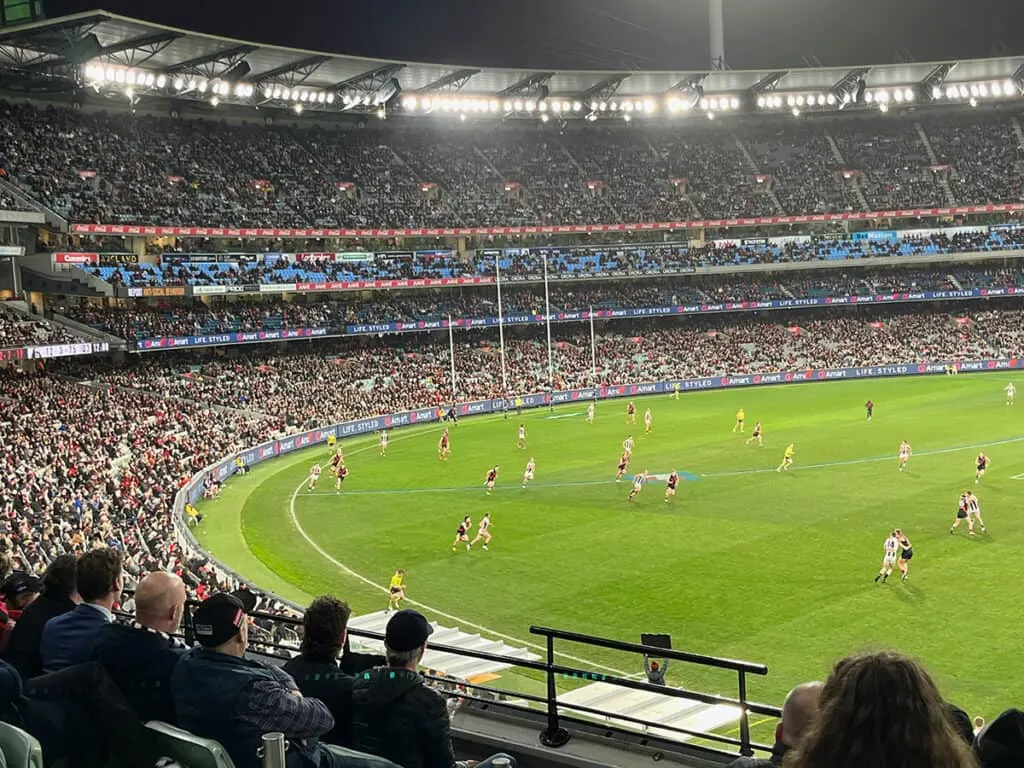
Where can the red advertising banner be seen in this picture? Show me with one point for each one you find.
(562, 229)
(76, 258)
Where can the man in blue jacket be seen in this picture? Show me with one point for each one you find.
(68, 639)
(219, 694)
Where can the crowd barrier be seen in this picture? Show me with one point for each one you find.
(688, 309)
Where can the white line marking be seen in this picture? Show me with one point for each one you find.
(572, 415)
(463, 622)
(1018, 477)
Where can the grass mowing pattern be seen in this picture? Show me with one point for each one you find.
(746, 562)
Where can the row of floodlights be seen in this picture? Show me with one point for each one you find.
(428, 103)
(998, 89)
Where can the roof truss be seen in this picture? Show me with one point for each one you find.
(767, 83)
(130, 52)
(453, 81)
(371, 81)
(604, 88)
(297, 71)
(848, 82)
(215, 61)
(527, 84)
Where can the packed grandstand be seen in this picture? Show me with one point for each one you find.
(140, 370)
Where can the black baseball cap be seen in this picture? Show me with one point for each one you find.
(217, 619)
(407, 630)
(18, 584)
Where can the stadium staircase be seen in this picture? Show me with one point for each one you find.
(53, 218)
(1018, 132)
(457, 666)
(652, 708)
(842, 164)
(947, 191)
(753, 166)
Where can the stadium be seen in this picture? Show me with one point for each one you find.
(629, 389)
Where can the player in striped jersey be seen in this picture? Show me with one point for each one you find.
(891, 549)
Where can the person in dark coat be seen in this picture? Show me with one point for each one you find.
(316, 669)
(141, 655)
(394, 714)
(59, 595)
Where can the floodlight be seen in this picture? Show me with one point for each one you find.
(214, 101)
(330, 98)
(710, 114)
(796, 112)
(883, 107)
(298, 109)
(544, 118)
(577, 106)
(973, 102)
(161, 81)
(626, 117)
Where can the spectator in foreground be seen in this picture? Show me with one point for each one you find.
(141, 656)
(221, 695)
(394, 714)
(68, 638)
(316, 669)
(59, 595)
(798, 711)
(880, 710)
(1000, 744)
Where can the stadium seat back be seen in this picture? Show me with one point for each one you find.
(352, 759)
(188, 749)
(19, 749)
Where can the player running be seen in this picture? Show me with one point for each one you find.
(462, 533)
(620, 470)
(627, 445)
(492, 475)
(521, 438)
(905, 555)
(1011, 393)
(980, 466)
(528, 472)
(787, 458)
(590, 414)
(670, 486)
(648, 421)
(638, 485)
(444, 446)
(396, 590)
(340, 473)
(869, 408)
(483, 532)
(757, 435)
(740, 416)
(383, 442)
(631, 413)
(905, 452)
(891, 551)
(314, 476)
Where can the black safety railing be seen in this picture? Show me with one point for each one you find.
(560, 714)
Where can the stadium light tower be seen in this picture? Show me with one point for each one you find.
(716, 29)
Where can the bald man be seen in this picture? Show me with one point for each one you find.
(141, 655)
(798, 711)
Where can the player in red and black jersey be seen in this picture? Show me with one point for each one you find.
(981, 465)
(869, 407)
(492, 475)
(631, 413)
(670, 486)
(462, 533)
(620, 470)
(340, 473)
(444, 446)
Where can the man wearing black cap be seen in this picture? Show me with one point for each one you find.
(18, 590)
(59, 596)
(220, 695)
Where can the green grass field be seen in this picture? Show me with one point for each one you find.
(746, 562)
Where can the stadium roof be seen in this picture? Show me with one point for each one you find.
(112, 52)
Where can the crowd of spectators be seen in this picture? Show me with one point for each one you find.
(122, 168)
(135, 320)
(198, 319)
(404, 372)
(562, 262)
(19, 330)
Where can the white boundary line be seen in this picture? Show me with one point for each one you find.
(463, 622)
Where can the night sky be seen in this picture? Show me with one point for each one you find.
(603, 34)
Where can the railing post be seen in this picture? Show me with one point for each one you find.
(272, 751)
(555, 735)
(745, 749)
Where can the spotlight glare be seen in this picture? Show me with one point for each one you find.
(544, 118)
(214, 101)
(973, 102)
(883, 107)
(298, 109)
(761, 102)
(796, 112)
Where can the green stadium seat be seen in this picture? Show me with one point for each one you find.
(188, 749)
(19, 749)
(353, 759)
